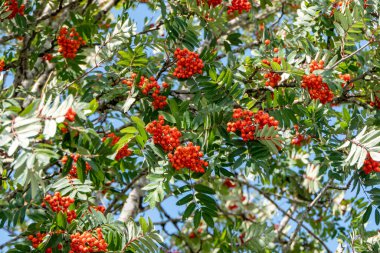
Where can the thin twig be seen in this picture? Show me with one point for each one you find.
(303, 217)
(350, 55)
(265, 195)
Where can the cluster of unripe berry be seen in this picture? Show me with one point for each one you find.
(73, 171)
(149, 86)
(188, 157)
(88, 242)
(300, 139)
(180, 157)
(370, 165)
(69, 42)
(239, 6)
(12, 6)
(315, 85)
(164, 135)
(70, 114)
(58, 204)
(121, 153)
(246, 122)
(188, 63)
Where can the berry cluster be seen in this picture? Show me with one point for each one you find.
(375, 103)
(188, 157)
(365, 4)
(212, 3)
(101, 209)
(14, 8)
(262, 118)
(69, 42)
(232, 207)
(129, 81)
(196, 233)
(70, 114)
(246, 123)
(314, 65)
(60, 204)
(87, 242)
(370, 165)
(147, 85)
(346, 78)
(2, 65)
(47, 57)
(338, 5)
(73, 171)
(121, 153)
(228, 183)
(315, 85)
(300, 139)
(273, 77)
(239, 6)
(36, 240)
(164, 135)
(188, 63)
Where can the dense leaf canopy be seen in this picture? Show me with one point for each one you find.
(189, 126)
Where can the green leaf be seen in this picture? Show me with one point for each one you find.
(61, 220)
(185, 200)
(197, 218)
(204, 189)
(143, 225)
(168, 117)
(189, 210)
(367, 214)
(208, 219)
(81, 169)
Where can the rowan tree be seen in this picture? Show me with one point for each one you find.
(213, 126)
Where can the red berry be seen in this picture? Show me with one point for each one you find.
(188, 64)
(2, 65)
(58, 203)
(12, 6)
(69, 43)
(239, 6)
(121, 153)
(164, 135)
(88, 242)
(315, 85)
(188, 157)
(246, 123)
(370, 165)
(70, 114)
